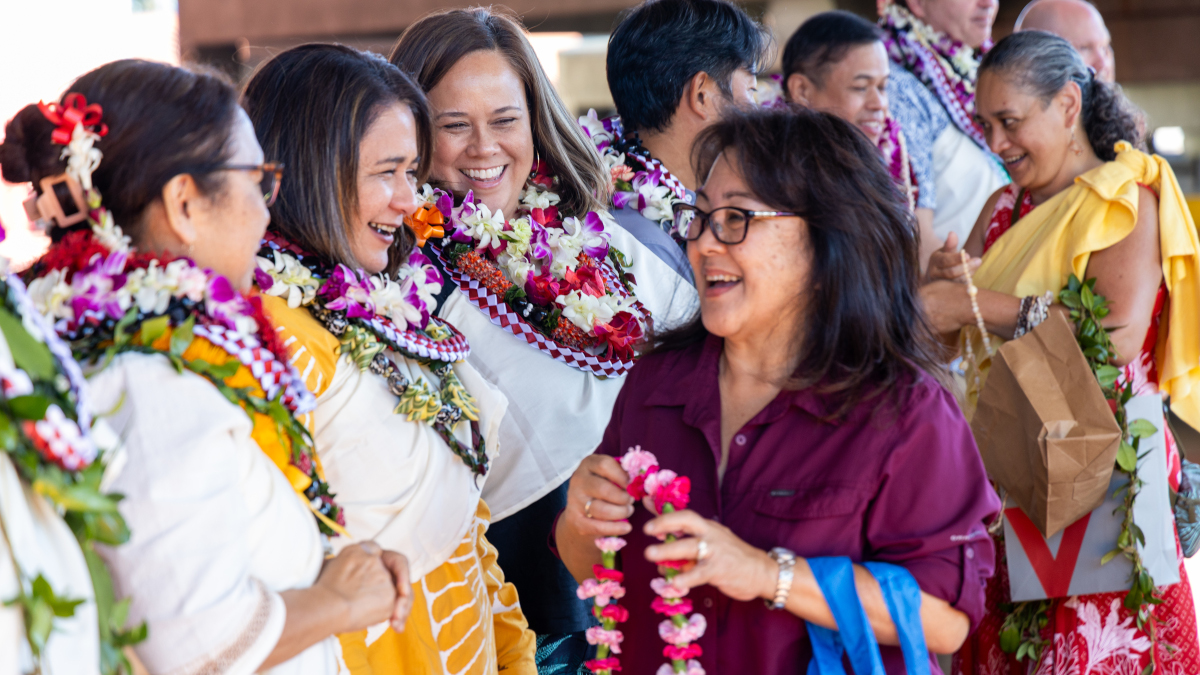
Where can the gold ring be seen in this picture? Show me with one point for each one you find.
(587, 509)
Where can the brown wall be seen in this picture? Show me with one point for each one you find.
(213, 23)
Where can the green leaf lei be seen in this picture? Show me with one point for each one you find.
(91, 514)
(1021, 631)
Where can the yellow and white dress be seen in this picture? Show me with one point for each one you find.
(400, 484)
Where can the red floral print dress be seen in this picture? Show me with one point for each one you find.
(1090, 634)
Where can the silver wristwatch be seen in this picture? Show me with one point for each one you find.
(786, 561)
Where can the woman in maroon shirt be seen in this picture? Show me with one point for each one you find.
(801, 404)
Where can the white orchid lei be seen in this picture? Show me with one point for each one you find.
(373, 314)
(558, 272)
(639, 181)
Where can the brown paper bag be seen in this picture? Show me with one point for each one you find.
(1046, 433)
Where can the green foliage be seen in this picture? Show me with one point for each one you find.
(1021, 632)
(91, 514)
(1088, 309)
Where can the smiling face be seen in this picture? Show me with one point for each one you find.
(387, 178)
(483, 139)
(230, 223)
(1032, 138)
(968, 21)
(854, 89)
(748, 286)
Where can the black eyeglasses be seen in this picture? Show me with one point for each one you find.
(728, 223)
(272, 176)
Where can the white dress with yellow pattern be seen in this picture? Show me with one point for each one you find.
(401, 485)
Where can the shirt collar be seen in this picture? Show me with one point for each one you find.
(697, 390)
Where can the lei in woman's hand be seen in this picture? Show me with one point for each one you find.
(668, 492)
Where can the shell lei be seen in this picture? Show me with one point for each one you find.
(106, 299)
(563, 287)
(371, 316)
(669, 492)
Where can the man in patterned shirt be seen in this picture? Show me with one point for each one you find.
(935, 47)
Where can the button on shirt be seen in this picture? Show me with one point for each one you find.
(900, 483)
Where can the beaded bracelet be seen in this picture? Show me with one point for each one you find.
(1034, 310)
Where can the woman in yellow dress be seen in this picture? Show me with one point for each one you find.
(1083, 202)
(405, 429)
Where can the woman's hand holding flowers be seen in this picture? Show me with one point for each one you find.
(597, 503)
(735, 568)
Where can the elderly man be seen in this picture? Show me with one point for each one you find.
(935, 47)
(1077, 22)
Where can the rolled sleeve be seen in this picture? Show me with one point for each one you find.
(931, 514)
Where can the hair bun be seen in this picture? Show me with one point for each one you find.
(27, 151)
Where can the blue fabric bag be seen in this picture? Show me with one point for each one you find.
(854, 636)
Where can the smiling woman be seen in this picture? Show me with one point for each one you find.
(803, 404)
(374, 148)
(552, 292)
(1084, 202)
(405, 428)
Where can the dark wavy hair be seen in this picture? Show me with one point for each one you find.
(864, 332)
(162, 121)
(822, 41)
(662, 44)
(311, 106)
(1043, 64)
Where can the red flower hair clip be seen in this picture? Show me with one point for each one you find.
(73, 111)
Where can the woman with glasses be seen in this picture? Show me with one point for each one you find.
(804, 405)
(155, 194)
(407, 430)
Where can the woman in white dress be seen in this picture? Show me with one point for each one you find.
(406, 429)
(526, 179)
(155, 208)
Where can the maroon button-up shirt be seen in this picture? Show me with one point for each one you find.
(903, 484)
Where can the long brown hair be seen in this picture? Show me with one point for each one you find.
(429, 48)
(865, 333)
(311, 106)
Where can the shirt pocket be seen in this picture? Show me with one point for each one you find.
(810, 503)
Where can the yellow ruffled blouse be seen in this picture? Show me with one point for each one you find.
(1057, 239)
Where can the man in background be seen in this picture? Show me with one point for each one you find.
(1077, 22)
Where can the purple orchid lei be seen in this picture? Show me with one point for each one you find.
(373, 314)
(639, 181)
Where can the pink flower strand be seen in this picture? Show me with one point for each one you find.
(598, 635)
(681, 635)
(656, 480)
(693, 667)
(666, 589)
(601, 592)
(637, 461)
(610, 544)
